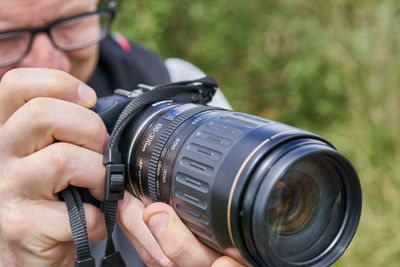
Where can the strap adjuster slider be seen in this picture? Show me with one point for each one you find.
(115, 182)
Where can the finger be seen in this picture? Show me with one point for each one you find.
(48, 171)
(50, 222)
(18, 86)
(226, 261)
(45, 120)
(175, 239)
(146, 257)
(130, 218)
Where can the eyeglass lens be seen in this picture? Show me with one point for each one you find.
(67, 35)
(80, 32)
(13, 46)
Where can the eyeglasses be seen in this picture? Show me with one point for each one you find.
(66, 34)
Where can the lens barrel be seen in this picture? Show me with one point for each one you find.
(251, 188)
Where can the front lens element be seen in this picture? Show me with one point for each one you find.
(305, 210)
(293, 203)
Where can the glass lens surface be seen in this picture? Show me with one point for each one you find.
(292, 203)
(305, 209)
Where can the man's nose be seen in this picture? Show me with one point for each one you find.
(43, 54)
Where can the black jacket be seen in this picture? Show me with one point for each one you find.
(119, 68)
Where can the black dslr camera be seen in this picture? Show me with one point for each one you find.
(278, 195)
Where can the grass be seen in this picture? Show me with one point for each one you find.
(328, 66)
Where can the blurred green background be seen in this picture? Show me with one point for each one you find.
(328, 66)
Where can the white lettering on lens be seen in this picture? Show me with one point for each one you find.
(196, 121)
(151, 135)
(157, 127)
(175, 144)
(164, 176)
(149, 139)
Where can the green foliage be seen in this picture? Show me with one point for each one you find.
(329, 66)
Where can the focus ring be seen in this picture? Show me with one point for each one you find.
(158, 148)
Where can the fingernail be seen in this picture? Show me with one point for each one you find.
(158, 222)
(87, 96)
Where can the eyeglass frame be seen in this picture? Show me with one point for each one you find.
(47, 28)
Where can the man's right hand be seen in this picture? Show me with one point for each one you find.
(48, 140)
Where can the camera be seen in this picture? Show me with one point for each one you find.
(244, 185)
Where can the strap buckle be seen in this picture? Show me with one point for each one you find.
(115, 182)
(115, 259)
(89, 262)
(115, 176)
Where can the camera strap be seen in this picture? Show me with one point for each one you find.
(201, 91)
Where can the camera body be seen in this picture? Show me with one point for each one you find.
(244, 185)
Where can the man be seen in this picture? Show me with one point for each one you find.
(50, 139)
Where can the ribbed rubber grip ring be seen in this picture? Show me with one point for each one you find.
(158, 148)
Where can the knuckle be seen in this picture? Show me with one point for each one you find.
(12, 177)
(62, 159)
(9, 77)
(59, 75)
(62, 251)
(38, 108)
(55, 78)
(97, 126)
(14, 224)
(8, 83)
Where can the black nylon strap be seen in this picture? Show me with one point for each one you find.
(110, 211)
(113, 191)
(77, 222)
(112, 257)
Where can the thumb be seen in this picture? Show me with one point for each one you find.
(130, 219)
(175, 239)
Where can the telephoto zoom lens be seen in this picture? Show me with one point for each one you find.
(261, 191)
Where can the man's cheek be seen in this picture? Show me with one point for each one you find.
(83, 54)
(83, 62)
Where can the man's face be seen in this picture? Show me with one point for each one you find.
(17, 14)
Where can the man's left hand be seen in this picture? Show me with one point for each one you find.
(161, 239)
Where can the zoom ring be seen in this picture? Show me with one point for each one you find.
(158, 148)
